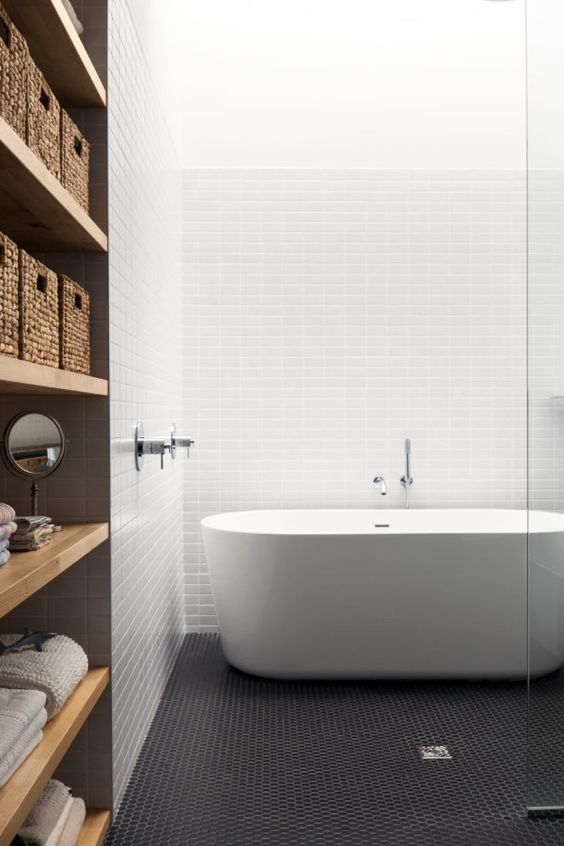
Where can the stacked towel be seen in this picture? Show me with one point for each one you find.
(46, 822)
(31, 533)
(55, 671)
(7, 528)
(22, 717)
(75, 821)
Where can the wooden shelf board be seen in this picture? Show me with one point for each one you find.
(20, 793)
(35, 210)
(23, 377)
(27, 572)
(94, 828)
(58, 50)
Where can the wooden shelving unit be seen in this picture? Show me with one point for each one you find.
(23, 377)
(18, 796)
(35, 210)
(27, 572)
(94, 828)
(40, 215)
(58, 50)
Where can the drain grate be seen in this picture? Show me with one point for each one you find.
(434, 753)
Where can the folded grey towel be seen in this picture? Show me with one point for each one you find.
(25, 752)
(18, 708)
(75, 822)
(55, 671)
(48, 816)
(20, 750)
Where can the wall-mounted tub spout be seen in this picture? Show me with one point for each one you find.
(379, 480)
(407, 480)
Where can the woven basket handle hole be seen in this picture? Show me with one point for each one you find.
(42, 283)
(45, 100)
(77, 145)
(5, 32)
(78, 301)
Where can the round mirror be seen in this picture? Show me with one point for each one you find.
(34, 444)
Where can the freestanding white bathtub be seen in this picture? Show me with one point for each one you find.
(386, 594)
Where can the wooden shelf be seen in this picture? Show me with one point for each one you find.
(18, 796)
(58, 50)
(94, 828)
(27, 572)
(22, 377)
(35, 210)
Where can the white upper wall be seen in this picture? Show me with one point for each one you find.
(546, 73)
(353, 83)
(161, 37)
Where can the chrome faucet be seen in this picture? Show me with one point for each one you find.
(407, 480)
(379, 480)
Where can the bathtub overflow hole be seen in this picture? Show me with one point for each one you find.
(434, 753)
(381, 525)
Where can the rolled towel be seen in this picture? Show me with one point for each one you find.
(74, 824)
(7, 513)
(7, 529)
(56, 670)
(5, 556)
(25, 752)
(4, 544)
(22, 747)
(48, 817)
(18, 709)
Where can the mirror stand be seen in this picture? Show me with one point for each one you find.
(34, 499)
(33, 448)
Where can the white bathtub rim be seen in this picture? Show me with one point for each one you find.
(401, 522)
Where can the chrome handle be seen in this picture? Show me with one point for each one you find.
(179, 442)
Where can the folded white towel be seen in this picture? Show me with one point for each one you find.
(18, 708)
(74, 824)
(25, 752)
(56, 670)
(55, 837)
(48, 816)
(20, 746)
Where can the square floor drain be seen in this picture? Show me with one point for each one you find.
(434, 753)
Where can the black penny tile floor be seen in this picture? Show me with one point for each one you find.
(234, 760)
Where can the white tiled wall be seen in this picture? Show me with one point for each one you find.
(330, 315)
(546, 341)
(145, 359)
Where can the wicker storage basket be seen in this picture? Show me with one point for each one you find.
(74, 326)
(9, 306)
(75, 160)
(39, 312)
(43, 121)
(14, 61)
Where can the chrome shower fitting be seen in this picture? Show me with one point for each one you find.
(407, 480)
(179, 442)
(158, 446)
(379, 480)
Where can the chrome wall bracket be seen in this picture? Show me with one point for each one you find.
(139, 446)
